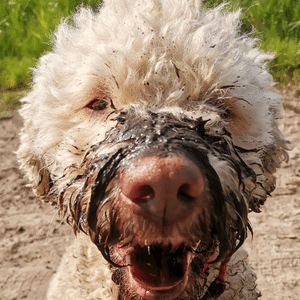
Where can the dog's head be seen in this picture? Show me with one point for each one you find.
(161, 84)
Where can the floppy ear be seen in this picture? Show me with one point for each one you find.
(31, 164)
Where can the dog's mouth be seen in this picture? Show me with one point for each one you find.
(157, 267)
(154, 272)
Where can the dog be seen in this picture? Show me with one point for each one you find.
(153, 128)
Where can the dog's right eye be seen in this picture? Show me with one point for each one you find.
(98, 104)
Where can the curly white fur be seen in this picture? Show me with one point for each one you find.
(128, 49)
(165, 54)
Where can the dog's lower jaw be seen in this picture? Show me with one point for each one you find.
(85, 274)
(151, 293)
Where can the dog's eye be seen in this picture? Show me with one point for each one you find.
(99, 104)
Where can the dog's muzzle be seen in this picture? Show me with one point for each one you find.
(156, 205)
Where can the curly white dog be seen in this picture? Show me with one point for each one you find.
(152, 127)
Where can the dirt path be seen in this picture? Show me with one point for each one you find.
(274, 251)
(33, 239)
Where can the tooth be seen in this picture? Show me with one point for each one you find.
(128, 259)
(149, 250)
(189, 257)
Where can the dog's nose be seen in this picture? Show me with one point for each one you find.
(166, 187)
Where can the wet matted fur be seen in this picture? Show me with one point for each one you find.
(141, 81)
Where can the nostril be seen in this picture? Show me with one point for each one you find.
(143, 193)
(184, 193)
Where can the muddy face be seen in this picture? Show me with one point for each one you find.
(151, 198)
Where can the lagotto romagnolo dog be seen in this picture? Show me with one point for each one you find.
(153, 129)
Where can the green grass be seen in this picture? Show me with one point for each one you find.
(277, 25)
(295, 182)
(26, 28)
(9, 101)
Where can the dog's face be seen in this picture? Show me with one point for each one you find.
(152, 127)
(153, 198)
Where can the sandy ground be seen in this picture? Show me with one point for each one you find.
(33, 239)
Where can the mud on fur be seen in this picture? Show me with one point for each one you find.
(153, 129)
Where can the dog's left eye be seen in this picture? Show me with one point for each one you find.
(99, 104)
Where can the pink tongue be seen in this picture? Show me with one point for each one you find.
(159, 269)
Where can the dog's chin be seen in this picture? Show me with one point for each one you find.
(154, 272)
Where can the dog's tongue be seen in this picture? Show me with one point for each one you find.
(156, 267)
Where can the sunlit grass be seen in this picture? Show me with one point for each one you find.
(25, 30)
(277, 25)
(295, 182)
(9, 101)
